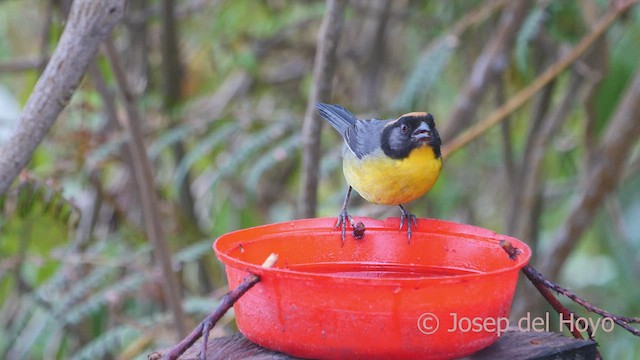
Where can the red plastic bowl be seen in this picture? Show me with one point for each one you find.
(446, 294)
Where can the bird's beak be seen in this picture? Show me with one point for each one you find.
(422, 133)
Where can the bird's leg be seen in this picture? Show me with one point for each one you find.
(410, 219)
(344, 216)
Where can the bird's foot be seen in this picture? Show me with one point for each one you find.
(410, 220)
(343, 219)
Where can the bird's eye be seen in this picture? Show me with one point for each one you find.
(404, 128)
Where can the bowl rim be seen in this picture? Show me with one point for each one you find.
(326, 225)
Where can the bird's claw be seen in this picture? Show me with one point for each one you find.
(410, 219)
(343, 218)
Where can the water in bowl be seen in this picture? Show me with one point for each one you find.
(380, 270)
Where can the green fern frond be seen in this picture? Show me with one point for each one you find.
(82, 288)
(255, 143)
(168, 138)
(17, 322)
(31, 195)
(37, 325)
(201, 150)
(124, 286)
(114, 339)
(193, 252)
(28, 191)
(61, 294)
(106, 343)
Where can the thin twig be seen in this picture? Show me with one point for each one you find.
(618, 319)
(323, 69)
(149, 203)
(564, 312)
(529, 194)
(544, 285)
(22, 65)
(541, 81)
(227, 301)
(172, 96)
(475, 16)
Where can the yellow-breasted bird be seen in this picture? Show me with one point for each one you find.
(388, 162)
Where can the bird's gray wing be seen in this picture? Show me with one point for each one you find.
(363, 137)
(339, 117)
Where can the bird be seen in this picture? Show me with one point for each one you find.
(388, 162)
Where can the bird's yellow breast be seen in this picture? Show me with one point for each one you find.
(383, 180)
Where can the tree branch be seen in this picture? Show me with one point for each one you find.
(544, 286)
(22, 65)
(202, 330)
(142, 170)
(172, 95)
(323, 70)
(89, 23)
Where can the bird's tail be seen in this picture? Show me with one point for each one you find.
(340, 118)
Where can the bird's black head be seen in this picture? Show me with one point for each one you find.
(408, 132)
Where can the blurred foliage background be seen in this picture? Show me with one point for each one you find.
(223, 87)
